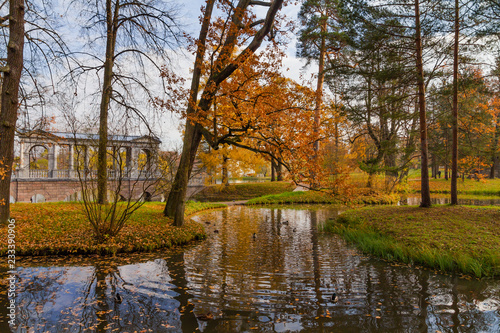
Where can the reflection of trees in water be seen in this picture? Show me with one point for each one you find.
(74, 299)
(280, 281)
(290, 275)
(39, 287)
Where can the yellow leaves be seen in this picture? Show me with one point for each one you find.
(61, 228)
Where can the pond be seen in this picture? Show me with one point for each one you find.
(260, 270)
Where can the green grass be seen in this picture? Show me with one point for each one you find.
(465, 239)
(469, 186)
(214, 193)
(318, 197)
(62, 228)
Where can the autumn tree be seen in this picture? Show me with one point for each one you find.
(137, 36)
(31, 48)
(377, 89)
(9, 100)
(319, 38)
(230, 160)
(237, 31)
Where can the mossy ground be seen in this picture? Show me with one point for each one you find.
(62, 228)
(451, 238)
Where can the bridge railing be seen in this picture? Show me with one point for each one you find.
(39, 174)
(89, 174)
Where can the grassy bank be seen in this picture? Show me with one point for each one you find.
(469, 186)
(450, 238)
(62, 228)
(307, 197)
(243, 191)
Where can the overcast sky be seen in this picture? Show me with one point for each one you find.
(168, 126)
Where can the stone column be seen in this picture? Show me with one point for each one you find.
(114, 171)
(134, 162)
(52, 157)
(24, 163)
(128, 161)
(71, 165)
(85, 157)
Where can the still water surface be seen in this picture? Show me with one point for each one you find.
(281, 280)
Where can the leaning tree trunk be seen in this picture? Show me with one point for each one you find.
(102, 167)
(224, 67)
(175, 202)
(192, 135)
(10, 102)
(454, 149)
(424, 160)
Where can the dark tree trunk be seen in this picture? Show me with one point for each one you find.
(175, 203)
(494, 155)
(107, 89)
(225, 172)
(10, 102)
(192, 135)
(424, 159)
(279, 171)
(433, 168)
(454, 122)
(224, 67)
(319, 98)
(273, 171)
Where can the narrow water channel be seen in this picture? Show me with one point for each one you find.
(280, 280)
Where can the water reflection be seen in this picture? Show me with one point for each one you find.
(281, 280)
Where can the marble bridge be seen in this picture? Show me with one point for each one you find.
(51, 166)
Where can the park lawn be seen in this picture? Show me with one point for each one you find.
(469, 186)
(319, 197)
(449, 238)
(62, 228)
(244, 191)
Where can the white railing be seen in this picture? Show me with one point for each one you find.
(39, 174)
(85, 174)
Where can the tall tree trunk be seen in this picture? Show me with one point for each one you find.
(10, 102)
(319, 97)
(494, 155)
(175, 203)
(424, 160)
(279, 170)
(433, 168)
(192, 135)
(273, 171)
(454, 122)
(107, 89)
(224, 67)
(225, 172)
